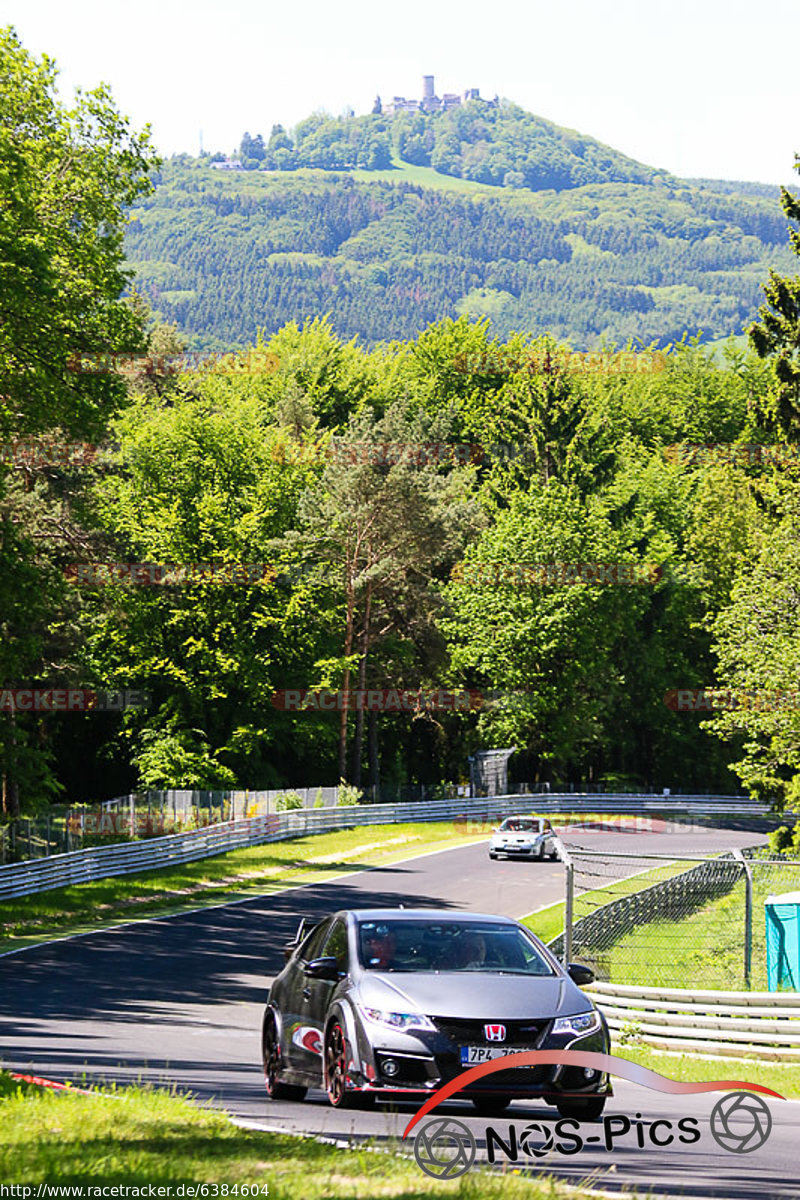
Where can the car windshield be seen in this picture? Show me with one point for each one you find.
(520, 825)
(445, 946)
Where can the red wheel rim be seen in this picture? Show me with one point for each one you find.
(272, 1055)
(336, 1065)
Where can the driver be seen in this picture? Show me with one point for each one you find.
(379, 948)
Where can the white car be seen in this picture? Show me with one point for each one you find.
(527, 837)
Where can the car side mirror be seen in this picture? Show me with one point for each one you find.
(324, 968)
(580, 974)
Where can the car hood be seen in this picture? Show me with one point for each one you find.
(472, 995)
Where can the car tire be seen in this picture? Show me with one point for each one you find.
(554, 855)
(539, 856)
(590, 1109)
(335, 1067)
(492, 854)
(272, 1055)
(490, 1106)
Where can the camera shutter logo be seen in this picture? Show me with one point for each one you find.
(535, 1130)
(445, 1148)
(740, 1122)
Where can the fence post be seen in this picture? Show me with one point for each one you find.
(748, 917)
(569, 880)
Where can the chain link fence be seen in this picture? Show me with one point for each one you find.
(660, 921)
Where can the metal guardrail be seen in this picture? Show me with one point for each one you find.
(99, 862)
(60, 829)
(725, 1023)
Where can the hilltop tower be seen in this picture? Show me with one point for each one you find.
(428, 92)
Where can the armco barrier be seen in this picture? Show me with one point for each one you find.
(725, 1023)
(100, 862)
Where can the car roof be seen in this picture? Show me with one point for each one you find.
(430, 914)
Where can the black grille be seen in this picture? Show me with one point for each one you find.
(527, 1035)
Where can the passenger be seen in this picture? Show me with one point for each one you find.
(471, 953)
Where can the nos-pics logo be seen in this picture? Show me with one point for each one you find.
(445, 1148)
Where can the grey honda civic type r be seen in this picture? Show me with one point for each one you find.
(393, 1003)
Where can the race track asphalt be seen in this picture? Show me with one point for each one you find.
(179, 1000)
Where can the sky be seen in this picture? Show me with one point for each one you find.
(702, 88)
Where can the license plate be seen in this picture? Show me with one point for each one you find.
(479, 1054)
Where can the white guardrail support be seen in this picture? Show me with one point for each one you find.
(100, 862)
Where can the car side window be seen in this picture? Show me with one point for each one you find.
(336, 945)
(312, 946)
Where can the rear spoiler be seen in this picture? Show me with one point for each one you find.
(302, 930)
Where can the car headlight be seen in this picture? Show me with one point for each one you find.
(398, 1020)
(586, 1022)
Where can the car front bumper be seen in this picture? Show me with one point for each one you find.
(417, 1070)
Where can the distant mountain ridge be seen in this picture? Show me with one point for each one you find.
(419, 229)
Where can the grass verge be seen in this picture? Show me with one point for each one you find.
(140, 1136)
(689, 1068)
(253, 871)
(547, 923)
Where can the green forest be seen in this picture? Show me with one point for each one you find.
(314, 488)
(225, 254)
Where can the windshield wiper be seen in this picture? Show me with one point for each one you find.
(530, 974)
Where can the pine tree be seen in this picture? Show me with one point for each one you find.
(777, 334)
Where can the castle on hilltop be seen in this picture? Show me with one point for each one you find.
(430, 102)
